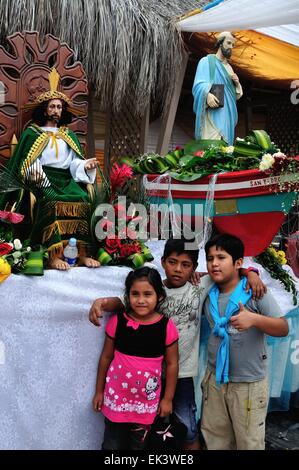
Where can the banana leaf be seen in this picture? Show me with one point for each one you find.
(203, 144)
(184, 176)
(189, 161)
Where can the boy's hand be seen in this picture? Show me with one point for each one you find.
(165, 407)
(243, 320)
(195, 278)
(97, 401)
(96, 311)
(256, 284)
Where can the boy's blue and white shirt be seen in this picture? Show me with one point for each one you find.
(248, 352)
(184, 306)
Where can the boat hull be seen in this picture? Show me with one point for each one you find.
(249, 204)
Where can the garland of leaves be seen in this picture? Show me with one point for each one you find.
(270, 261)
(205, 157)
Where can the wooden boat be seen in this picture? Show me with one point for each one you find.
(249, 204)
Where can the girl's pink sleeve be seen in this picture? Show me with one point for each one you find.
(111, 326)
(171, 333)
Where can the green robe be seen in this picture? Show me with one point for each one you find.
(62, 210)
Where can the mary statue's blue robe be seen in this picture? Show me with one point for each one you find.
(210, 70)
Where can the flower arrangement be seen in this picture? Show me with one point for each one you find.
(273, 260)
(286, 167)
(115, 230)
(16, 256)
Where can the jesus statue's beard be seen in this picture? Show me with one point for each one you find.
(226, 52)
(54, 119)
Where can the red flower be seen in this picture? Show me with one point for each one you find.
(5, 248)
(119, 175)
(199, 153)
(178, 147)
(112, 244)
(127, 250)
(12, 217)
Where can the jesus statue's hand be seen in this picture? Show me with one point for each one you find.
(90, 164)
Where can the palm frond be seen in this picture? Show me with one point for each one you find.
(121, 43)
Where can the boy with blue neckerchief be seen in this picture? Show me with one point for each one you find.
(235, 395)
(183, 304)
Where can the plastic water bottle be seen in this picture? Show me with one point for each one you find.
(71, 252)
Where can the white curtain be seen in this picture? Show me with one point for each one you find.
(287, 33)
(236, 15)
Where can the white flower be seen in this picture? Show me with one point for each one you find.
(17, 244)
(229, 149)
(17, 254)
(28, 248)
(267, 162)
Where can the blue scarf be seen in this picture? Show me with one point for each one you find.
(220, 328)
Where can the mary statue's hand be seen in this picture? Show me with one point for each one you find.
(90, 164)
(212, 101)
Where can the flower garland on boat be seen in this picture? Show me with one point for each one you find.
(116, 230)
(205, 157)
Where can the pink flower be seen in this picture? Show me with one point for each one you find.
(119, 210)
(199, 153)
(12, 217)
(106, 224)
(119, 175)
(132, 234)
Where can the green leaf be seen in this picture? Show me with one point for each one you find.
(203, 144)
(186, 176)
(127, 160)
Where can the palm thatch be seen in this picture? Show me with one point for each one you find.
(124, 45)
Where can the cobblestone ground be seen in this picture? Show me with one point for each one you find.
(282, 430)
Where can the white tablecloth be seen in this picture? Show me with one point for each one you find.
(48, 358)
(49, 354)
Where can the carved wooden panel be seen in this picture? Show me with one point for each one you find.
(25, 63)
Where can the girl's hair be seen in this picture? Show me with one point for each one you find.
(153, 278)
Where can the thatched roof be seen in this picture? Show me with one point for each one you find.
(123, 44)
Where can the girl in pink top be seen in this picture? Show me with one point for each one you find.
(129, 374)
